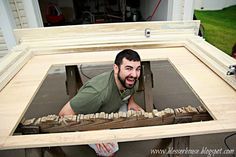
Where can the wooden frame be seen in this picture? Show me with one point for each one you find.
(203, 67)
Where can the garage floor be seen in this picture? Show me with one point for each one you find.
(170, 90)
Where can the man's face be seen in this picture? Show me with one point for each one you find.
(129, 72)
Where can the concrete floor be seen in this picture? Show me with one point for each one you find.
(170, 90)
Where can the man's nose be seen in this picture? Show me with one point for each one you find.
(134, 73)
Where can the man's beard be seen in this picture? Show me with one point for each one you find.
(122, 81)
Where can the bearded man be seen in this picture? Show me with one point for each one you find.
(108, 92)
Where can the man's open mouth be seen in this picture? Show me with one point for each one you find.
(130, 80)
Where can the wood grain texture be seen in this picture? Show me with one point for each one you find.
(195, 73)
(114, 30)
(193, 58)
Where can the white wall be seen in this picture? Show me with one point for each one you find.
(177, 10)
(33, 13)
(188, 9)
(7, 24)
(213, 4)
(171, 10)
(180, 10)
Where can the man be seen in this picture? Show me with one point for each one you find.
(108, 92)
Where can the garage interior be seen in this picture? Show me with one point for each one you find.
(60, 12)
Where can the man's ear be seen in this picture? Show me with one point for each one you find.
(116, 69)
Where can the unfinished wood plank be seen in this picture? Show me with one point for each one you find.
(102, 42)
(12, 68)
(176, 55)
(75, 48)
(119, 135)
(107, 29)
(214, 58)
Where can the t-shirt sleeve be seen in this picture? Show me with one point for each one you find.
(86, 101)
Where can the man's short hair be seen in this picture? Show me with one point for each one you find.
(129, 54)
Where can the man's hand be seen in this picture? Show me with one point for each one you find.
(133, 106)
(105, 149)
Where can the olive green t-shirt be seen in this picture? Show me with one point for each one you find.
(100, 94)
